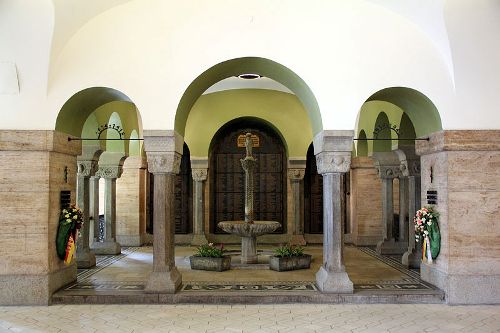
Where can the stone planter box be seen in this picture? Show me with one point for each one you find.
(281, 264)
(210, 264)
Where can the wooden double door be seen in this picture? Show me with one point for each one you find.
(227, 178)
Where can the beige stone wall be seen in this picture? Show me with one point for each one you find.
(466, 174)
(366, 202)
(32, 165)
(131, 203)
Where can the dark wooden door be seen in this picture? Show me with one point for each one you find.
(183, 193)
(313, 196)
(227, 178)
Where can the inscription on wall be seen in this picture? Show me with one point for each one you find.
(432, 197)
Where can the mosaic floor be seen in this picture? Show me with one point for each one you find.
(127, 273)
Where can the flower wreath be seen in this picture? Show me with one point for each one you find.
(427, 232)
(70, 220)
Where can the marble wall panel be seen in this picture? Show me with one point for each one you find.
(366, 202)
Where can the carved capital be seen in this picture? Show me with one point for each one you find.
(109, 171)
(200, 174)
(333, 162)
(164, 162)
(87, 168)
(389, 171)
(296, 174)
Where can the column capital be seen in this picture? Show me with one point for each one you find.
(296, 173)
(164, 162)
(333, 162)
(409, 161)
(199, 174)
(388, 165)
(87, 168)
(163, 151)
(333, 151)
(109, 171)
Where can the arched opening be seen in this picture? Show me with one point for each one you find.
(235, 67)
(313, 196)
(227, 176)
(362, 145)
(183, 193)
(382, 133)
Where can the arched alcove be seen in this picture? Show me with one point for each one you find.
(227, 176)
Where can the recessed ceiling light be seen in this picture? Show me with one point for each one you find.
(249, 76)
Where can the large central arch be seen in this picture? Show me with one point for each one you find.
(234, 67)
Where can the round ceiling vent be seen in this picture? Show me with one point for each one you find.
(249, 76)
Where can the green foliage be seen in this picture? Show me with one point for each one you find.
(209, 250)
(288, 250)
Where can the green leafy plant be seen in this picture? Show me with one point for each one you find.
(289, 250)
(209, 250)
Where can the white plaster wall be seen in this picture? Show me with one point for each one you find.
(344, 51)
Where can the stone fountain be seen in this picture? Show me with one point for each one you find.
(249, 229)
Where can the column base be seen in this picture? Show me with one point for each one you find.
(298, 240)
(164, 282)
(411, 259)
(390, 246)
(85, 259)
(199, 239)
(107, 247)
(334, 282)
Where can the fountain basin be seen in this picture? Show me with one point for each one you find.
(244, 229)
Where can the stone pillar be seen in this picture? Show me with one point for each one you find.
(366, 206)
(463, 167)
(109, 246)
(199, 172)
(296, 176)
(403, 211)
(163, 150)
(94, 210)
(131, 202)
(35, 166)
(388, 167)
(410, 168)
(333, 157)
(85, 258)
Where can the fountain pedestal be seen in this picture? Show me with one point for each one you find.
(248, 233)
(249, 229)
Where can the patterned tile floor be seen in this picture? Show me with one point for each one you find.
(129, 271)
(300, 318)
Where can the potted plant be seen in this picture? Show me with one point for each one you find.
(289, 257)
(210, 258)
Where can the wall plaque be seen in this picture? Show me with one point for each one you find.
(255, 140)
(432, 197)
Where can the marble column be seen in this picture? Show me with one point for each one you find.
(109, 246)
(333, 157)
(163, 151)
(296, 177)
(85, 258)
(94, 210)
(410, 167)
(388, 167)
(199, 178)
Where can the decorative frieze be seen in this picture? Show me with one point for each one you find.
(109, 171)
